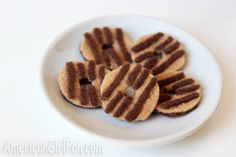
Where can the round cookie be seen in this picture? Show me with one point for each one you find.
(106, 45)
(158, 52)
(129, 92)
(80, 83)
(179, 94)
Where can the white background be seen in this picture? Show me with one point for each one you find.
(27, 27)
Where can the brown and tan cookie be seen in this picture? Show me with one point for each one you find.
(158, 52)
(129, 92)
(106, 45)
(80, 83)
(179, 94)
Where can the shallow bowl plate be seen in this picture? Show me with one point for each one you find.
(157, 130)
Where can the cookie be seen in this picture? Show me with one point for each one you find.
(106, 45)
(179, 94)
(129, 92)
(158, 52)
(80, 83)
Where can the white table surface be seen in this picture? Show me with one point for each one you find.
(27, 27)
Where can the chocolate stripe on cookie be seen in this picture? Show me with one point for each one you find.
(143, 56)
(110, 88)
(133, 74)
(92, 93)
(123, 106)
(187, 89)
(93, 47)
(171, 79)
(98, 35)
(121, 42)
(151, 62)
(108, 35)
(83, 96)
(182, 83)
(171, 48)
(168, 62)
(178, 101)
(146, 43)
(91, 70)
(164, 44)
(114, 101)
(71, 79)
(81, 70)
(139, 82)
(134, 112)
(106, 58)
(164, 97)
(114, 56)
(101, 72)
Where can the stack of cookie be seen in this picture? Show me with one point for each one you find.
(130, 80)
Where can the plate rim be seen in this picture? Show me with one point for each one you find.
(125, 142)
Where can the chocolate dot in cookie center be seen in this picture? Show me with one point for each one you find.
(106, 46)
(84, 81)
(158, 54)
(130, 91)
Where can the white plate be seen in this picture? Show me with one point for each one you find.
(157, 130)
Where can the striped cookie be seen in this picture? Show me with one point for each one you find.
(129, 92)
(106, 45)
(80, 83)
(158, 52)
(179, 94)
